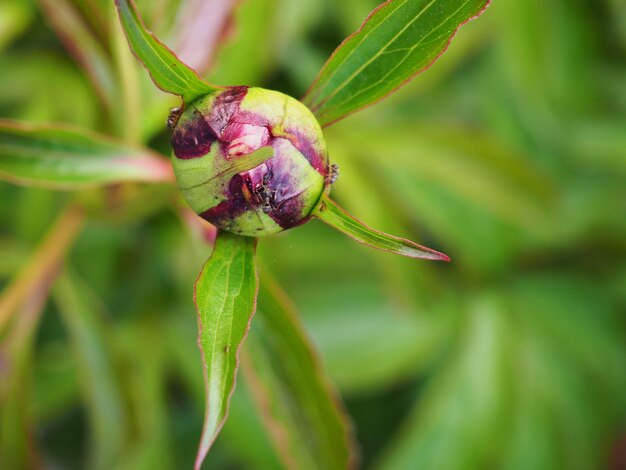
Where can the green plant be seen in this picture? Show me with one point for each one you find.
(228, 143)
(218, 160)
(475, 342)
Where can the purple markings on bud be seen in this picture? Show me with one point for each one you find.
(193, 138)
(278, 194)
(245, 138)
(317, 160)
(288, 212)
(234, 206)
(225, 108)
(273, 186)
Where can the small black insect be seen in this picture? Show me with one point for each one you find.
(173, 117)
(334, 173)
(264, 195)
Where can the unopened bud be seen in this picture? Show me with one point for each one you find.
(216, 141)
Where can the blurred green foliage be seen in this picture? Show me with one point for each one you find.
(509, 155)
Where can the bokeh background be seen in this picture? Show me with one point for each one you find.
(509, 155)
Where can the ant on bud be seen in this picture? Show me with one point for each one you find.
(264, 195)
(174, 116)
(334, 173)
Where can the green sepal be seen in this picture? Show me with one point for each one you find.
(329, 212)
(166, 70)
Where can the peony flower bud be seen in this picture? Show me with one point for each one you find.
(224, 176)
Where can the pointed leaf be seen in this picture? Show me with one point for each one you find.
(299, 406)
(225, 295)
(329, 212)
(399, 39)
(166, 70)
(68, 158)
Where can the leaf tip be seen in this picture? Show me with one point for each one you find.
(442, 257)
(332, 214)
(226, 244)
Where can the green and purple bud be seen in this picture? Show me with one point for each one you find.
(250, 161)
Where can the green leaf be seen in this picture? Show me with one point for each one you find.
(460, 405)
(146, 377)
(40, 271)
(101, 392)
(390, 352)
(329, 212)
(83, 45)
(16, 420)
(33, 83)
(399, 39)
(12, 254)
(166, 70)
(56, 384)
(474, 166)
(17, 350)
(15, 17)
(225, 295)
(68, 158)
(243, 431)
(298, 405)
